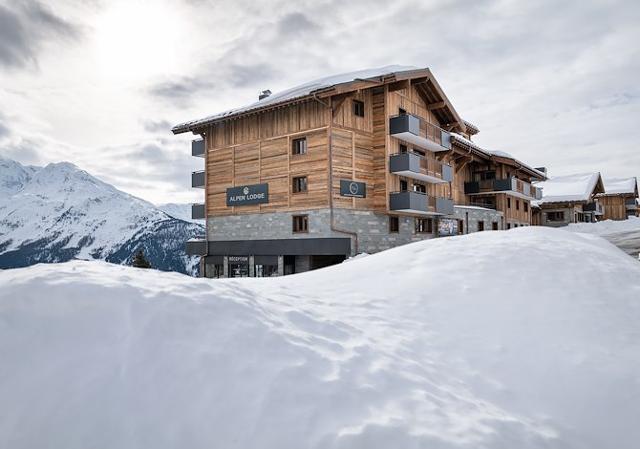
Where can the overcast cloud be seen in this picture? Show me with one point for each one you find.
(100, 83)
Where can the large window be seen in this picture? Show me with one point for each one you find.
(358, 108)
(299, 184)
(300, 223)
(424, 226)
(265, 271)
(299, 146)
(555, 216)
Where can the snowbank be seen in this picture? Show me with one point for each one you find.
(519, 339)
(607, 227)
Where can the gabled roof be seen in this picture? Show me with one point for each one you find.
(345, 82)
(572, 188)
(496, 156)
(620, 186)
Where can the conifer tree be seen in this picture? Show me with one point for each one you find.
(139, 261)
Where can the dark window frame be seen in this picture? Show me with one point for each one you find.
(300, 224)
(423, 225)
(299, 150)
(394, 224)
(296, 185)
(358, 108)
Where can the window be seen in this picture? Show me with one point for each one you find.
(517, 204)
(515, 225)
(494, 226)
(265, 271)
(460, 226)
(394, 224)
(526, 206)
(299, 184)
(402, 111)
(358, 108)
(403, 149)
(403, 185)
(424, 226)
(419, 152)
(555, 216)
(419, 188)
(508, 225)
(508, 203)
(481, 225)
(299, 146)
(300, 223)
(485, 175)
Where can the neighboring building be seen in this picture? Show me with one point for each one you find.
(620, 198)
(358, 162)
(569, 199)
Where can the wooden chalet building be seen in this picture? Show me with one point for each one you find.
(620, 198)
(358, 162)
(570, 199)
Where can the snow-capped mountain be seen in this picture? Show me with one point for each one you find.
(181, 211)
(60, 212)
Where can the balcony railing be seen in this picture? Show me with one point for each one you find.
(198, 211)
(416, 166)
(197, 148)
(595, 207)
(414, 130)
(196, 247)
(419, 203)
(197, 179)
(512, 185)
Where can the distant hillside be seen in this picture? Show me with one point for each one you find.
(59, 212)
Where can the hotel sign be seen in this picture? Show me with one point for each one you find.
(247, 195)
(353, 189)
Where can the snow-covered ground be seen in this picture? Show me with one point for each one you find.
(625, 234)
(520, 339)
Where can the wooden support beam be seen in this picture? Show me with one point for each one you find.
(438, 105)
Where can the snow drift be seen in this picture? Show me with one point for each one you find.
(520, 339)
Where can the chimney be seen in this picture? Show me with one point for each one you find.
(264, 94)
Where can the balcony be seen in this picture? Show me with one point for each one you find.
(419, 203)
(198, 211)
(594, 207)
(197, 148)
(196, 247)
(197, 179)
(512, 186)
(418, 132)
(415, 166)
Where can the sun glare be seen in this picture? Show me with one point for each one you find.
(135, 40)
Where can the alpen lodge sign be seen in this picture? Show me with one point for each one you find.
(247, 195)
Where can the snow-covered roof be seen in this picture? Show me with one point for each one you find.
(496, 153)
(620, 186)
(579, 187)
(300, 91)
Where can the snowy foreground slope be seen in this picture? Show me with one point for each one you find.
(521, 339)
(60, 212)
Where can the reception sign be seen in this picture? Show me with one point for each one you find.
(353, 189)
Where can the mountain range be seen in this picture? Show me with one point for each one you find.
(59, 212)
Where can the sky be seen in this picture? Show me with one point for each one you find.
(100, 83)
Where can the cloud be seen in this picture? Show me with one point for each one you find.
(25, 28)
(180, 92)
(157, 126)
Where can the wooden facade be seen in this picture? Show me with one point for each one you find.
(257, 148)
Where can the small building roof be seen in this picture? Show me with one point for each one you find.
(620, 186)
(571, 188)
(348, 81)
